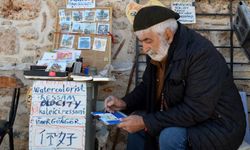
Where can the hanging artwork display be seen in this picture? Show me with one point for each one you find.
(86, 29)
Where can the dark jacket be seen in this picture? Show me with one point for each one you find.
(200, 94)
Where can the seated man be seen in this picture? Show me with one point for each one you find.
(187, 93)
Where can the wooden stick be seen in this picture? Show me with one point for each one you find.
(119, 49)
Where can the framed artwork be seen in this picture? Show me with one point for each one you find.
(65, 26)
(102, 15)
(102, 28)
(99, 44)
(89, 15)
(84, 42)
(77, 27)
(67, 16)
(67, 41)
(76, 15)
(89, 28)
(61, 13)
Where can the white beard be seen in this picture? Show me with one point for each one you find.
(161, 53)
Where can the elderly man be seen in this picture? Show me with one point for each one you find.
(187, 99)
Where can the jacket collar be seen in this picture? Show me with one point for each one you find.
(177, 48)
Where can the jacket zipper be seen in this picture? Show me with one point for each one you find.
(163, 102)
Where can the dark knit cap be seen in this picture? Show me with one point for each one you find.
(152, 15)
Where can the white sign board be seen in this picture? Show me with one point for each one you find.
(186, 9)
(58, 115)
(80, 3)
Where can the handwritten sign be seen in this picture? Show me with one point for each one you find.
(186, 9)
(80, 3)
(58, 115)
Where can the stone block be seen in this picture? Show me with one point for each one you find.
(20, 9)
(8, 41)
(53, 5)
(30, 34)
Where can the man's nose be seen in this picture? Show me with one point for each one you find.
(145, 48)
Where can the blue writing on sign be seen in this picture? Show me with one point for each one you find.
(59, 121)
(59, 100)
(59, 111)
(63, 89)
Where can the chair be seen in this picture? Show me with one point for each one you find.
(6, 126)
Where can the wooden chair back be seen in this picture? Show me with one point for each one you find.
(10, 82)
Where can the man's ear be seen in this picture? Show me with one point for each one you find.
(169, 35)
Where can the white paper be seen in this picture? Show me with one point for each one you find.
(102, 15)
(80, 3)
(49, 56)
(58, 115)
(84, 42)
(67, 40)
(99, 44)
(186, 10)
(103, 28)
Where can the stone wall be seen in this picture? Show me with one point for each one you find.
(26, 32)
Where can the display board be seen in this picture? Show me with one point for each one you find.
(86, 29)
(58, 115)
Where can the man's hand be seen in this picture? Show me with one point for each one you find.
(132, 123)
(112, 104)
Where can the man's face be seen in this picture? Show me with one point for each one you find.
(154, 45)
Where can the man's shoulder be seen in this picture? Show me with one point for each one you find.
(199, 44)
(194, 43)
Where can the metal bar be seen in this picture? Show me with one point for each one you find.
(241, 79)
(231, 36)
(239, 63)
(213, 29)
(213, 14)
(227, 46)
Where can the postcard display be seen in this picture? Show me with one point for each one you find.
(60, 116)
(86, 29)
